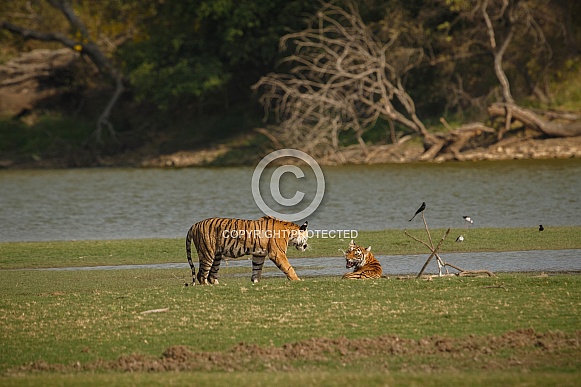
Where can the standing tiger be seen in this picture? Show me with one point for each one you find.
(363, 262)
(216, 238)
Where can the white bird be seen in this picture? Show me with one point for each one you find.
(460, 239)
(468, 219)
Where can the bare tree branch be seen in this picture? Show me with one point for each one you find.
(342, 79)
(65, 7)
(37, 35)
(498, 52)
(86, 47)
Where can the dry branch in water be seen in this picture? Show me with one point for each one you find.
(441, 263)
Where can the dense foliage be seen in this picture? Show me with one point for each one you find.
(207, 51)
(200, 58)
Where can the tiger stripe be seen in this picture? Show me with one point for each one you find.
(216, 238)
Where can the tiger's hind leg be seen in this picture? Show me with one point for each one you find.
(193, 274)
(189, 238)
(213, 275)
(204, 271)
(257, 262)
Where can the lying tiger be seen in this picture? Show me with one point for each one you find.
(363, 262)
(216, 238)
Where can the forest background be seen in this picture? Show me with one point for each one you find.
(131, 82)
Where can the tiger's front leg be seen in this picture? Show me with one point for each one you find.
(352, 275)
(281, 261)
(362, 274)
(257, 262)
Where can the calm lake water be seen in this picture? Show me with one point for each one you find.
(83, 204)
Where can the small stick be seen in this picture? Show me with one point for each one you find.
(476, 272)
(495, 286)
(155, 311)
(433, 253)
(454, 267)
(418, 240)
(427, 231)
(446, 124)
(441, 264)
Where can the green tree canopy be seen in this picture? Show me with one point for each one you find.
(207, 50)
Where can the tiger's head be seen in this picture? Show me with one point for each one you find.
(298, 238)
(356, 256)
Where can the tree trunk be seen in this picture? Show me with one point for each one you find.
(535, 122)
(103, 122)
(498, 52)
(86, 47)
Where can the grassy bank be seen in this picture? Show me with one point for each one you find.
(486, 330)
(92, 327)
(388, 242)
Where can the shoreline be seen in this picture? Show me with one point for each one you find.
(225, 156)
(385, 243)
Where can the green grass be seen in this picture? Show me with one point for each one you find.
(68, 317)
(81, 317)
(91, 253)
(51, 135)
(54, 315)
(308, 378)
(388, 242)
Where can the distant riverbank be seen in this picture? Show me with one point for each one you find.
(386, 154)
(233, 154)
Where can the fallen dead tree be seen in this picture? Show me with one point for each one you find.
(450, 145)
(344, 78)
(555, 124)
(509, 124)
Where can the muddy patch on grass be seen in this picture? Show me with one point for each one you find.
(521, 348)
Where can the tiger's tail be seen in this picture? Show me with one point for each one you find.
(189, 238)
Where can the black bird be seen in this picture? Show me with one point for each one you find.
(541, 228)
(422, 207)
